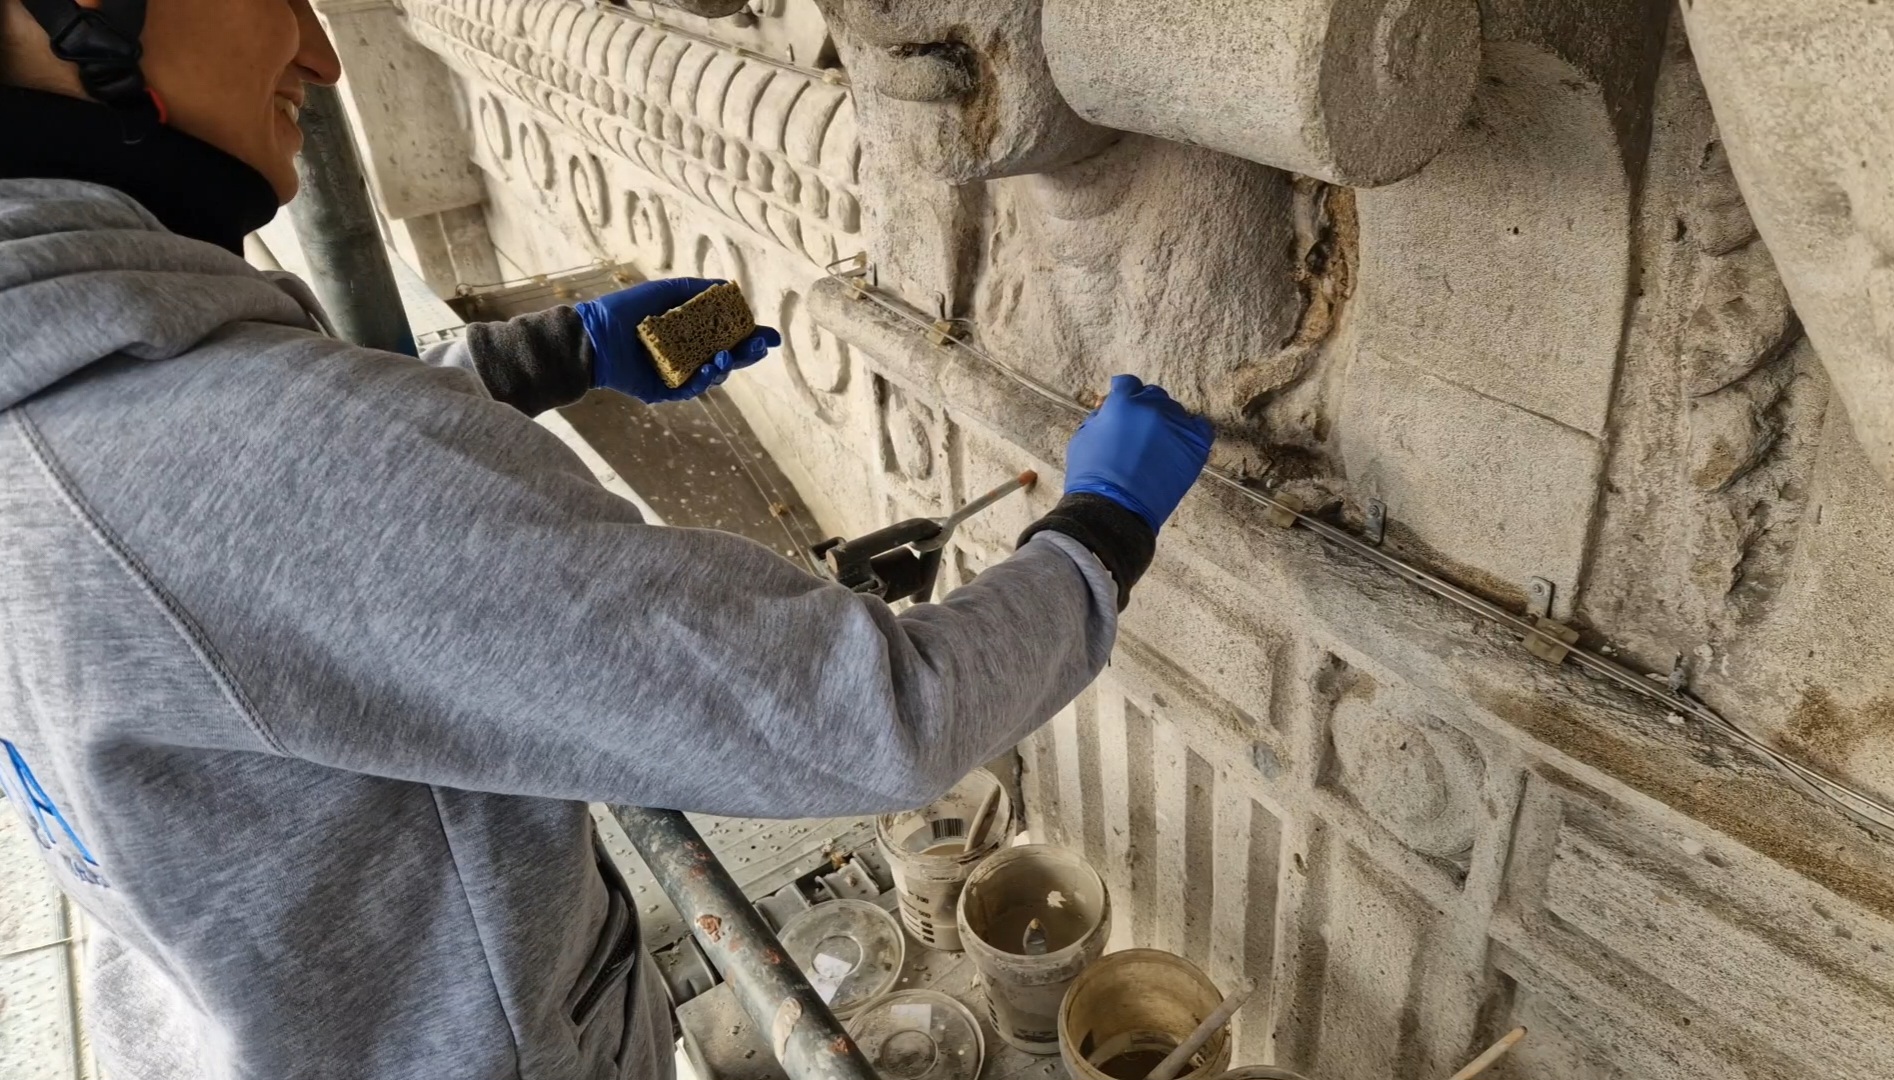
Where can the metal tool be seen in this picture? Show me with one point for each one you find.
(902, 561)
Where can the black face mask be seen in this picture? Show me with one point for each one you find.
(193, 188)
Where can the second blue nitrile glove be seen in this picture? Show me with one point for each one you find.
(619, 359)
(1139, 449)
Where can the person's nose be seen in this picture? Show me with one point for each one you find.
(315, 59)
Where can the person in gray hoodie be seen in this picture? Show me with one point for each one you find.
(312, 656)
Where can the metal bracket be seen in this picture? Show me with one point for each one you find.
(1539, 609)
(1375, 526)
(943, 329)
(1539, 597)
(1546, 650)
(856, 271)
(1282, 515)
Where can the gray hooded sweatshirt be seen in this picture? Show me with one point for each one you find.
(311, 657)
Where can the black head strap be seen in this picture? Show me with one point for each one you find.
(103, 42)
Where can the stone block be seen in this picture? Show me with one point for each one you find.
(1505, 265)
(1788, 80)
(1802, 980)
(1357, 92)
(1486, 486)
(1377, 934)
(1410, 772)
(417, 152)
(1187, 618)
(961, 87)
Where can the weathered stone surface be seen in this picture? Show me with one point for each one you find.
(1485, 485)
(1169, 262)
(1505, 265)
(418, 155)
(1298, 766)
(1741, 530)
(1351, 91)
(1411, 773)
(962, 86)
(1742, 321)
(1801, 92)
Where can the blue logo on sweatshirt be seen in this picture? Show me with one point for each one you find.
(79, 860)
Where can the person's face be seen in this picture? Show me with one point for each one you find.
(231, 72)
(962, 84)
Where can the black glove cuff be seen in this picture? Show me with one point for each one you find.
(534, 362)
(1120, 538)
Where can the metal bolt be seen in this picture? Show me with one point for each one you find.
(1539, 597)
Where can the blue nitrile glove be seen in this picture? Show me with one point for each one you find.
(619, 359)
(1139, 449)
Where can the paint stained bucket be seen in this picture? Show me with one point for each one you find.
(1032, 918)
(1127, 1012)
(927, 852)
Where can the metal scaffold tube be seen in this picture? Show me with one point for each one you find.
(801, 1031)
(341, 239)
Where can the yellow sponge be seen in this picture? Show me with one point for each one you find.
(690, 335)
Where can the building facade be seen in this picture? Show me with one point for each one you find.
(1493, 275)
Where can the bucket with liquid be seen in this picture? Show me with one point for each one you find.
(1032, 918)
(928, 854)
(1127, 1012)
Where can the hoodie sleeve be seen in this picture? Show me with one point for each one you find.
(408, 580)
(534, 362)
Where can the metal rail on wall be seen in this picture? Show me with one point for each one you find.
(1545, 638)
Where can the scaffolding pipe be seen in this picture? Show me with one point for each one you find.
(795, 1021)
(341, 238)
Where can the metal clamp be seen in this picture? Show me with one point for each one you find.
(1539, 597)
(1546, 644)
(1283, 512)
(856, 271)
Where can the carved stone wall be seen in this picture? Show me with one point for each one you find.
(1551, 344)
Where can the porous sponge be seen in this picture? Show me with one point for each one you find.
(691, 334)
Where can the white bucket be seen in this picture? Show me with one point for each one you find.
(1032, 918)
(927, 853)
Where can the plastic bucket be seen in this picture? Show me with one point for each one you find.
(1032, 918)
(1127, 1012)
(927, 853)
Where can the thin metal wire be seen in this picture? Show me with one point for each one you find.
(793, 530)
(1870, 813)
(547, 279)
